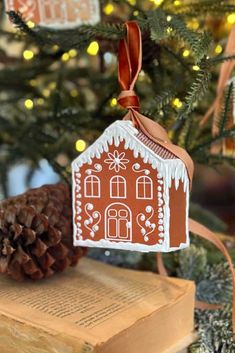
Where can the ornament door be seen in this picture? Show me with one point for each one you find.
(118, 222)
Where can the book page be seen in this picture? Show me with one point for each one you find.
(89, 297)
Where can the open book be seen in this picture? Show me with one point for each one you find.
(96, 308)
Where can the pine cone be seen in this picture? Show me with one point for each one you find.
(36, 233)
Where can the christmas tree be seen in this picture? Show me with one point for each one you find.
(59, 90)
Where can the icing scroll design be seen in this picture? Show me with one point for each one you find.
(97, 168)
(136, 168)
(93, 220)
(145, 224)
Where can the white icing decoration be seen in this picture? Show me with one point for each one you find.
(136, 167)
(147, 228)
(88, 222)
(170, 170)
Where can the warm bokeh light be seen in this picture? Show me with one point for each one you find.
(108, 9)
(113, 102)
(28, 54)
(231, 18)
(74, 93)
(73, 53)
(218, 49)
(177, 103)
(30, 24)
(28, 104)
(80, 145)
(65, 57)
(186, 53)
(93, 48)
(196, 68)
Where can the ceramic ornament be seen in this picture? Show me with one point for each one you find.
(131, 187)
(59, 14)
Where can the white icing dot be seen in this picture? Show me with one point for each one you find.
(160, 215)
(160, 221)
(148, 209)
(159, 188)
(161, 235)
(160, 241)
(159, 194)
(79, 196)
(92, 234)
(79, 231)
(95, 215)
(160, 181)
(95, 228)
(86, 222)
(142, 217)
(146, 238)
(159, 176)
(143, 231)
(160, 209)
(90, 206)
(160, 228)
(147, 223)
(79, 218)
(153, 225)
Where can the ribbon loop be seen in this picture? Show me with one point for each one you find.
(130, 59)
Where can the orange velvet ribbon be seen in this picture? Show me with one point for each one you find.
(130, 59)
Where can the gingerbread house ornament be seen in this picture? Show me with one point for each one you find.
(131, 186)
(59, 14)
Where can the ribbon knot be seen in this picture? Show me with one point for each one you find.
(129, 100)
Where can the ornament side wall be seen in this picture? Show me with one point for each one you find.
(123, 195)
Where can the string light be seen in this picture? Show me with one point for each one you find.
(168, 18)
(40, 101)
(132, 2)
(80, 145)
(52, 85)
(73, 53)
(65, 57)
(28, 104)
(28, 54)
(46, 92)
(193, 24)
(33, 83)
(177, 3)
(93, 48)
(177, 103)
(218, 49)
(231, 18)
(55, 47)
(31, 24)
(196, 68)
(74, 93)
(186, 53)
(113, 102)
(157, 2)
(108, 9)
(136, 13)
(169, 30)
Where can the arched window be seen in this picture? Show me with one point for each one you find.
(118, 187)
(144, 188)
(92, 186)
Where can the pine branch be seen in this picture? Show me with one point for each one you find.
(221, 123)
(195, 93)
(17, 20)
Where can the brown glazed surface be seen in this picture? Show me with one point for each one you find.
(130, 204)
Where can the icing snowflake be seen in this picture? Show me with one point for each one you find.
(117, 161)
